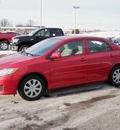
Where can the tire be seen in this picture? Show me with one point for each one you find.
(4, 45)
(114, 77)
(23, 48)
(32, 88)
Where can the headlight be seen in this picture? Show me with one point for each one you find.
(15, 40)
(4, 72)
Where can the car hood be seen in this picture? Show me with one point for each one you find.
(14, 60)
(23, 37)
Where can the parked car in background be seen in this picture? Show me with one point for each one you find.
(59, 62)
(117, 41)
(110, 39)
(20, 43)
(5, 39)
(114, 40)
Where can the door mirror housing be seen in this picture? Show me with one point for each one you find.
(56, 55)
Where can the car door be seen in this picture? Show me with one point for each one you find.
(56, 32)
(42, 34)
(71, 68)
(100, 60)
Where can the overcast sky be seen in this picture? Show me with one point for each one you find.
(93, 14)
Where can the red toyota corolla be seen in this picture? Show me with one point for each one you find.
(59, 62)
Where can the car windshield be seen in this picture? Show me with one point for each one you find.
(42, 47)
(33, 32)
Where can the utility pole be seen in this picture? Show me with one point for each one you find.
(75, 7)
(40, 13)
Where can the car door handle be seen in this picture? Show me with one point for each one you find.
(111, 55)
(83, 59)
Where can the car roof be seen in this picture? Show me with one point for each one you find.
(66, 37)
(49, 28)
(7, 32)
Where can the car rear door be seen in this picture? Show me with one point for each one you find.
(100, 60)
(56, 32)
(71, 68)
(42, 34)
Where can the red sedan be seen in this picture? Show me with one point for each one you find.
(59, 62)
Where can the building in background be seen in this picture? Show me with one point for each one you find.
(21, 30)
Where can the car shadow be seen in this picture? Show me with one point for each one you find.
(78, 89)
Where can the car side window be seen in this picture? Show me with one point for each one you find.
(98, 46)
(55, 32)
(44, 32)
(71, 48)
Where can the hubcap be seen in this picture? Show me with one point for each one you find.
(116, 76)
(23, 49)
(32, 88)
(4, 46)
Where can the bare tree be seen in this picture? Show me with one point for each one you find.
(19, 25)
(4, 22)
(30, 23)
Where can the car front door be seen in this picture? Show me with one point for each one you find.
(42, 34)
(100, 60)
(71, 68)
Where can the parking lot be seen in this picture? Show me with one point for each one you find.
(92, 106)
(85, 52)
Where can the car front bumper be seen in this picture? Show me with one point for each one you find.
(7, 86)
(14, 48)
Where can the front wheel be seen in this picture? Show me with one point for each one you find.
(32, 88)
(114, 77)
(4, 45)
(23, 48)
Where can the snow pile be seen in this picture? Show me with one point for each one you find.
(104, 34)
(7, 52)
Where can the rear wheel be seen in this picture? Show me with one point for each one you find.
(114, 77)
(32, 88)
(4, 45)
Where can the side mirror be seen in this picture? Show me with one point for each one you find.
(56, 55)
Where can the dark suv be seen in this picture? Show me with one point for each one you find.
(20, 43)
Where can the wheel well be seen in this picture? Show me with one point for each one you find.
(117, 64)
(4, 40)
(40, 75)
(25, 43)
(114, 67)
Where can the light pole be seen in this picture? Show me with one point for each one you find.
(40, 13)
(75, 7)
